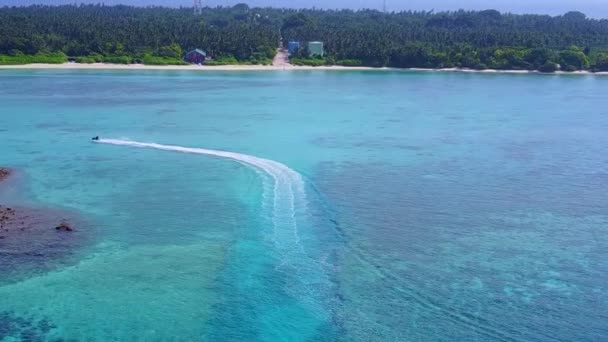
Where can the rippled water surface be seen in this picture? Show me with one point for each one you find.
(307, 206)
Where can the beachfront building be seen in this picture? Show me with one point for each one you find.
(316, 49)
(196, 56)
(293, 47)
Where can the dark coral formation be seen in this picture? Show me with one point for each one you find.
(35, 239)
(23, 329)
(4, 173)
(65, 226)
(14, 220)
(31, 241)
(7, 215)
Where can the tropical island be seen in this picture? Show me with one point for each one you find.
(240, 35)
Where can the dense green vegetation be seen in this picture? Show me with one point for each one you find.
(319, 61)
(19, 58)
(123, 34)
(308, 61)
(478, 40)
(241, 35)
(230, 60)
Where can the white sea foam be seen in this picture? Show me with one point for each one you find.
(284, 189)
(284, 197)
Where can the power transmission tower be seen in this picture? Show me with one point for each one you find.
(198, 7)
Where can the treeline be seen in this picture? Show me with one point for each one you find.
(239, 34)
(478, 40)
(124, 34)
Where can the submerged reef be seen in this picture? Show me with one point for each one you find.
(23, 329)
(35, 238)
(4, 173)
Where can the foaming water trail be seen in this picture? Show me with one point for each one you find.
(284, 195)
(287, 188)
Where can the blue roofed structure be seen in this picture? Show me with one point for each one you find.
(293, 46)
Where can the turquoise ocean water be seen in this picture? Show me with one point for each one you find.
(309, 206)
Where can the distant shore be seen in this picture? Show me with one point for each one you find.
(104, 66)
(523, 72)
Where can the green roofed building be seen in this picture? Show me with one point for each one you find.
(316, 48)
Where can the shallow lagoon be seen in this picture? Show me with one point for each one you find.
(430, 206)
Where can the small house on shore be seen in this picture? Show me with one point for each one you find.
(316, 49)
(196, 56)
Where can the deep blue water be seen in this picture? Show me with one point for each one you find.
(354, 206)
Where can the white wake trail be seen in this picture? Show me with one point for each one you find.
(285, 197)
(286, 193)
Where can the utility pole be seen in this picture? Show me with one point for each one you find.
(198, 7)
(384, 6)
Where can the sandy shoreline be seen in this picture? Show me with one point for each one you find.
(102, 66)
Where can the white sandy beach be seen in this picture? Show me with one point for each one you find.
(104, 66)
(495, 71)
(280, 67)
